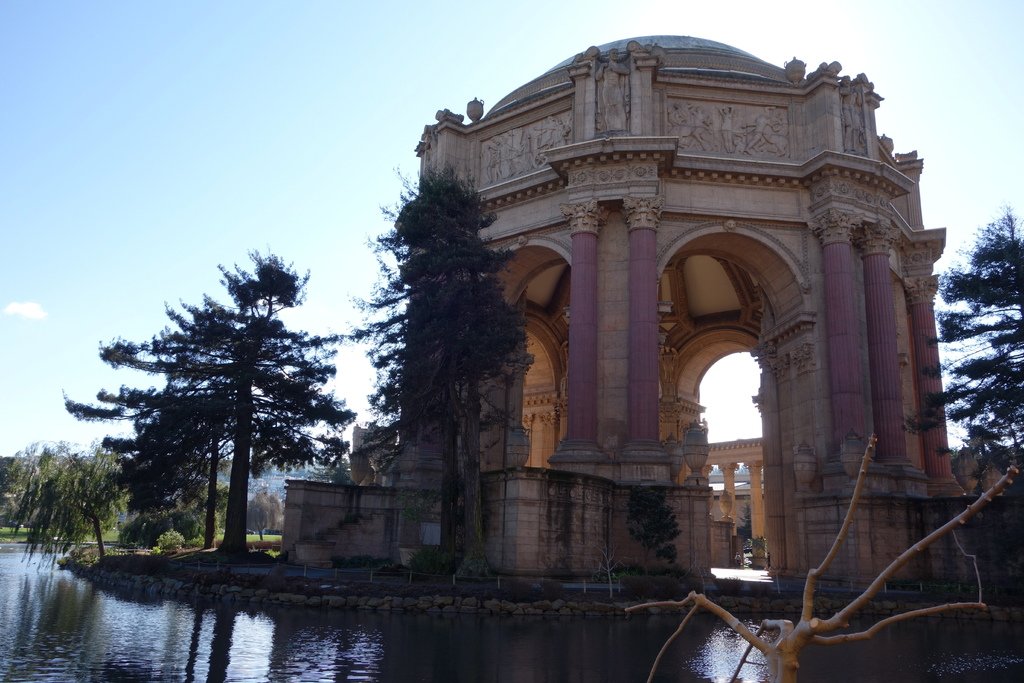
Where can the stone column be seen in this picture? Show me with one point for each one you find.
(728, 499)
(517, 443)
(775, 501)
(584, 223)
(642, 216)
(875, 240)
(834, 229)
(934, 444)
(756, 501)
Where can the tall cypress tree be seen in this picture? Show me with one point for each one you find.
(984, 331)
(443, 328)
(233, 374)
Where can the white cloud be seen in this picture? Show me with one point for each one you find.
(26, 309)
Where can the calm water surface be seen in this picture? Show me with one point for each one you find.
(54, 627)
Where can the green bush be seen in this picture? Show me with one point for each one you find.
(729, 586)
(144, 530)
(518, 590)
(359, 562)
(551, 590)
(430, 560)
(170, 541)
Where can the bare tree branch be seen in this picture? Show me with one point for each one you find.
(913, 614)
(812, 576)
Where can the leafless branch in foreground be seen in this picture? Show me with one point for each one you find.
(782, 652)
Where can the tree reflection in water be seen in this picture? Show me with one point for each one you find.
(56, 628)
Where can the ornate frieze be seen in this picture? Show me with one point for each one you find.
(606, 175)
(729, 128)
(919, 258)
(584, 216)
(521, 150)
(642, 213)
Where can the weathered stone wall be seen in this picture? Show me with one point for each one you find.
(887, 525)
(545, 522)
(322, 521)
(555, 523)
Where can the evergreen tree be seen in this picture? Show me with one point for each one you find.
(443, 328)
(234, 374)
(651, 522)
(984, 334)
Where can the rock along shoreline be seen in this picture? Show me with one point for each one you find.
(241, 590)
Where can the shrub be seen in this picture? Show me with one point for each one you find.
(667, 588)
(170, 541)
(518, 590)
(358, 562)
(637, 587)
(144, 530)
(430, 560)
(552, 590)
(728, 586)
(134, 564)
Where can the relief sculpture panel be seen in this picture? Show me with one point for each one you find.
(729, 128)
(521, 150)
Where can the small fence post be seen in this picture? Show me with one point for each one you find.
(371, 576)
(453, 579)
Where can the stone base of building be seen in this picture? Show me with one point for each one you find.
(885, 525)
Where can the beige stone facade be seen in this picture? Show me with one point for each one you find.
(670, 201)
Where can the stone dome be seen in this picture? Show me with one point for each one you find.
(683, 55)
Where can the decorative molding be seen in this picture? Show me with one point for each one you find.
(584, 216)
(642, 213)
(834, 226)
(921, 289)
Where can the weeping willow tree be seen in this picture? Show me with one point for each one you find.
(70, 497)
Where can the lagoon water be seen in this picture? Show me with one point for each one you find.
(56, 627)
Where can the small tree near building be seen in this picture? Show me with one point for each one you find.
(652, 523)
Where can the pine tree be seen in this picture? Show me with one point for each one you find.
(651, 522)
(234, 374)
(984, 334)
(443, 329)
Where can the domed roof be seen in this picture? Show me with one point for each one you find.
(680, 54)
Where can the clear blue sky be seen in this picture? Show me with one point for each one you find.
(143, 144)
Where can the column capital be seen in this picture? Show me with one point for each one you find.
(832, 226)
(875, 238)
(642, 213)
(585, 216)
(921, 290)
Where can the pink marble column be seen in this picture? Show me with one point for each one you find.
(642, 215)
(934, 440)
(584, 223)
(834, 228)
(883, 351)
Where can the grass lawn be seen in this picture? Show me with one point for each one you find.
(7, 534)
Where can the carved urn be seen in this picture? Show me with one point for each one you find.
(359, 465)
(675, 456)
(475, 110)
(695, 448)
(805, 465)
(726, 502)
(852, 454)
(965, 470)
(795, 70)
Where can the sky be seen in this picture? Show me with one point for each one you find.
(144, 144)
